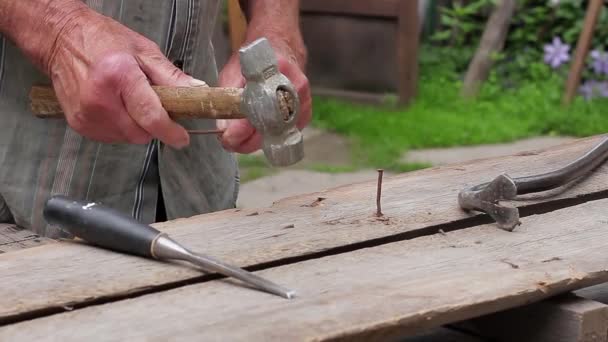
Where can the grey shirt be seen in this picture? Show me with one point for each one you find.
(40, 158)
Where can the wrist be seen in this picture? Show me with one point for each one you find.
(37, 27)
(278, 21)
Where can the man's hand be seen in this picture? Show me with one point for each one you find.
(239, 135)
(101, 72)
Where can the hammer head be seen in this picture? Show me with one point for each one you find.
(271, 103)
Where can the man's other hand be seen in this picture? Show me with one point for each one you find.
(239, 135)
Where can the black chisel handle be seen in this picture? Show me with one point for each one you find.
(101, 226)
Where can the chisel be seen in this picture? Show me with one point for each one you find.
(110, 229)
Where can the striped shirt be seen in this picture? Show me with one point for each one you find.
(40, 158)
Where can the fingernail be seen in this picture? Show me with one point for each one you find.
(197, 83)
(226, 141)
(183, 142)
(221, 124)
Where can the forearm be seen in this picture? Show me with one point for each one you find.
(279, 21)
(35, 26)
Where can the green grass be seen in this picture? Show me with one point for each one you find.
(439, 117)
(253, 167)
(328, 168)
(249, 160)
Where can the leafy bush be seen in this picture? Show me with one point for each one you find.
(536, 22)
(541, 32)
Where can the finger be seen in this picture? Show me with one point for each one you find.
(123, 128)
(131, 131)
(302, 85)
(252, 144)
(305, 116)
(236, 133)
(305, 104)
(162, 72)
(231, 75)
(144, 106)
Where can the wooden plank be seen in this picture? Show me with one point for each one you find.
(237, 24)
(13, 238)
(376, 8)
(582, 48)
(331, 47)
(378, 293)
(597, 293)
(564, 319)
(441, 335)
(492, 41)
(311, 225)
(408, 33)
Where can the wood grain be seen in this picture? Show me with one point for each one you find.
(376, 8)
(375, 293)
(237, 25)
(564, 319)
(408, 32)
(333, 221)
(180, 102)
(13, 238)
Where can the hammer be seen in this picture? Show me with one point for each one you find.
(269, 101)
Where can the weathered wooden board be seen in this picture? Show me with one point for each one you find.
(64, 274)
(567, 318)
(370, 294)
(13, 238)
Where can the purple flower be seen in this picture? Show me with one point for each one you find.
(556, 53)
(592, 88)
(600, 62)
(586, 89)
(602, 89)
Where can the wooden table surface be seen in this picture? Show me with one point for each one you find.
(424, 264)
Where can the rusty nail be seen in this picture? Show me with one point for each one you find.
(379, 193)
(206, 131)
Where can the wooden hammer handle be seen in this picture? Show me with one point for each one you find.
(180, 102)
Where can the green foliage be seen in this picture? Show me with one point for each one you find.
(327, 168)
(463, 23)
(440, 117)
(444, 62)
(253, 167)
(536, 22)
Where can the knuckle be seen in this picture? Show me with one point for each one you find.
(131, 82)
(78, 121)
(148, 117)
(89, 102)
(175, 73)
(111, 69)
(148, 47)
(304, 85)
